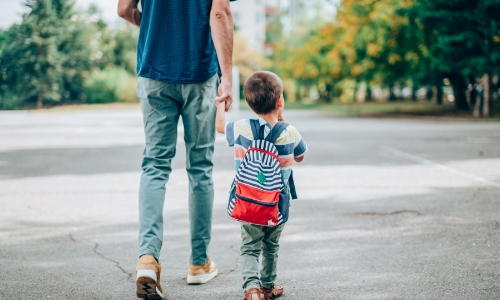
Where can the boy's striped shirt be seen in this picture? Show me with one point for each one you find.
(289, 144)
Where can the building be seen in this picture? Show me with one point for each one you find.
(249, 17)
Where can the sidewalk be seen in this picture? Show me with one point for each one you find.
(369, 224)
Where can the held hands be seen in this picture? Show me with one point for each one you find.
(225, 93)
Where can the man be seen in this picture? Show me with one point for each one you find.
(182, 44)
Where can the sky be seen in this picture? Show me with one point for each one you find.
(12, 10)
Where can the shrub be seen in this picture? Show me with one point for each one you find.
(110, 85)
(9, 100)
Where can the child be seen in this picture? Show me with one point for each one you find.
(264, 94)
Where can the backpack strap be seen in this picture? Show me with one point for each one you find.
(272, 137)
(276, 131)
(291, 185)
(255, 125)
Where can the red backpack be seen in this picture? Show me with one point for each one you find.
(258, 194)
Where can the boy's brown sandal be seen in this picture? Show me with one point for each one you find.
(253, 294)
(272, 293)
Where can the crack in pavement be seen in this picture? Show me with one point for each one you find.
(397, 212)
(96, 245)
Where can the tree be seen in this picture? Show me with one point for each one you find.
(247, 59)
(76, 50)
(386, 42)
(32, 61)
(462, 41)
(56, 49)
(370, 41)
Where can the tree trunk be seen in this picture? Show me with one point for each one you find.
(298, 96)
(476, 113)
(354, 96)
(439, 91)
(39, 101)
(368, 93)
(458, 84)
(392, 96)
(486, 95)
(328, 92)
(429, 94)
(472, 92)
(414, 92)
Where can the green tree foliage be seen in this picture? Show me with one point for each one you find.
(52, 54)
(463, 39)
(32, 61)
(367, 42)
(388, 42)
(100, 89)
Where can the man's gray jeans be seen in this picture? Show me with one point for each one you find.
(162, 104)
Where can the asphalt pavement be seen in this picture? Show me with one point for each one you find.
(387, 209)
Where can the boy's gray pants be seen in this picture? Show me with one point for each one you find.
(255, 240)
(162, 104)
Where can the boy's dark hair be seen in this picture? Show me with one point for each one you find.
(262, 90)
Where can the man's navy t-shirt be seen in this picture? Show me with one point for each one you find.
(175, 42)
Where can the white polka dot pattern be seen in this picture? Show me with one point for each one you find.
(175, 43)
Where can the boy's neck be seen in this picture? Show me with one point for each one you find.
(271, 118)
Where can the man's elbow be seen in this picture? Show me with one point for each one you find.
(220, 14)
(122, 11)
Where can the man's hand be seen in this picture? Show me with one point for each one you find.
(225, 93)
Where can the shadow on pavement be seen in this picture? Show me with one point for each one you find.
(88, 161)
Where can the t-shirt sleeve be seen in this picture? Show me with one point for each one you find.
(230, 134)
(300, 145)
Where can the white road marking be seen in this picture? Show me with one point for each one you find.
(439, 166)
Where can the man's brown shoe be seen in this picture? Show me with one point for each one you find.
(201, 274)
(273, 292)
(148, 278)
(253, 294)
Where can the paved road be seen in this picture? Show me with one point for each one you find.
(388, 209)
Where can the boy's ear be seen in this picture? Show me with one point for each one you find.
(281, 102)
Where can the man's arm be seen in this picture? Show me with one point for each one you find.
(221, 22)
(127, 9)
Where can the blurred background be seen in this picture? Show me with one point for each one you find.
(394, 207)
(423, 57)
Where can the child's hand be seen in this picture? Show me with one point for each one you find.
(220, 105)
(299, 158)
(220, 120)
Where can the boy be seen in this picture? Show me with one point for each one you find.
(264, 94)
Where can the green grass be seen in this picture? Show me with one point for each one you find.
(386, 109)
